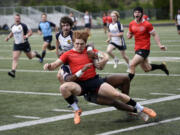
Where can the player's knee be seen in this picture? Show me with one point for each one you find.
(147, 69)
(132, 65)
(15, 58)
(64, 88)
(108, 51)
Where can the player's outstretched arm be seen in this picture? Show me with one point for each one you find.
(157, 40)
(53, 65)
(9, 36)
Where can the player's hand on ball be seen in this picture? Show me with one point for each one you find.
(92, 55)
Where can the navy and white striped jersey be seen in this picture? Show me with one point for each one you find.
(117, 28)
(18, 32)
(66, 43)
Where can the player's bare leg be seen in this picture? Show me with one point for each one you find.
(134, 62)
(68, 91)
(45, 45)
(16, 55)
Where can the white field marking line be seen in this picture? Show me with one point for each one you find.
(139, 99)
(148, 74)
(101, 73)
(62, 110)
(126, 51)
(69, 116)
(93, 104)
(139, 126)
(165, 94)
(43, 93)
(30, 71)
(26, 117)
(109, 62)
(30, 93)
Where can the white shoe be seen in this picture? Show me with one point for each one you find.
(116, 61)
(128, 70)
(143, 116)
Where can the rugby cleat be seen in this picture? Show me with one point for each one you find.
(164, 68)
(151, 113)
(77, 118)
(51, 47)
(12, 74)
(116, 61)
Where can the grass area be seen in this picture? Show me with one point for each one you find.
(30, 78)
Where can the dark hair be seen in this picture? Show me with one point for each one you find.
(140, 9)
(66, 19)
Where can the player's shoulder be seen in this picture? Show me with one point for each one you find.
(147, 23)
(132, 22)
(59, 33)
(23, 24)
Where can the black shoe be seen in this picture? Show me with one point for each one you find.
(165, 68)
(12, 74)
(41, 60)
(51, 47)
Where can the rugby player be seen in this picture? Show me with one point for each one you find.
(142, 30)
(88, 81)
(177, 21)
(116, 39)
(45, 29)
(21, 33)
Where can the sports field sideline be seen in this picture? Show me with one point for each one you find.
(31, 103)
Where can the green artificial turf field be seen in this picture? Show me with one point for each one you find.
(35, 93)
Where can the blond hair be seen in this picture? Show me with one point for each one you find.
(81, 34)
(116, 13)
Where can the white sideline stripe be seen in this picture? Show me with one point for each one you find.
(166, 94)
(147, 74)
(26, 117)
(140, 126)
(30, 93)
(62, 110)
(139, 99)
(110, 62)
(31, 71)
(48, 94)
(93, 104)
(102, 73)
(68, 116)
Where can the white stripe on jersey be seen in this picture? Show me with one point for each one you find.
(18, 33)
